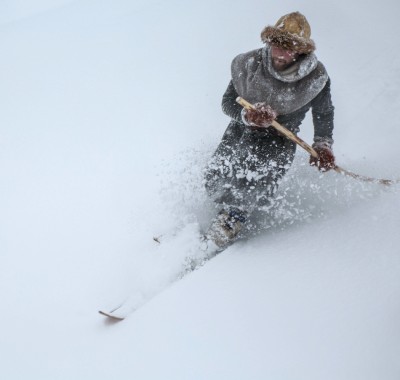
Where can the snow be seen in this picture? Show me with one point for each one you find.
(109, 111)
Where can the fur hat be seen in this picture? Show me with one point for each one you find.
(291, 32)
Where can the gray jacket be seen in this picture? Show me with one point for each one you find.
(291, 95)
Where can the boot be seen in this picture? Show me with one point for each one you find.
(226, 226)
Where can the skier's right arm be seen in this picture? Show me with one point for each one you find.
(229, 105)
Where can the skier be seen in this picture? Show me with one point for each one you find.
(284, 79)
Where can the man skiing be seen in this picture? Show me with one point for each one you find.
(283, 80)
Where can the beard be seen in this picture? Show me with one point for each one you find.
(281, 64)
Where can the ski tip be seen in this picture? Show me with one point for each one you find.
(111, 316)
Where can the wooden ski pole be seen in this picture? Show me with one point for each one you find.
(291, 136)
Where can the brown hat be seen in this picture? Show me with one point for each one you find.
(291, 32)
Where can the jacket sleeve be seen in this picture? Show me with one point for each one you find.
(229, 105)
(323, 113)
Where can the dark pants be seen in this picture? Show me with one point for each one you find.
(247, 167)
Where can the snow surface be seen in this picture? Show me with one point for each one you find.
(109, 111)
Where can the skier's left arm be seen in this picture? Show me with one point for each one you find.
(323, 114)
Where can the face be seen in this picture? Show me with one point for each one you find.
(281, 58)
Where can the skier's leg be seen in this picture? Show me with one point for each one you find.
(218, 172)
(278, 160)
(219, 175)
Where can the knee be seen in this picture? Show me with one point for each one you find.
(211, 178)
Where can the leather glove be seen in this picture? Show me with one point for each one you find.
(260, 117)
(326, 158)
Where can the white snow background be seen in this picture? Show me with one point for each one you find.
(109, 110)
